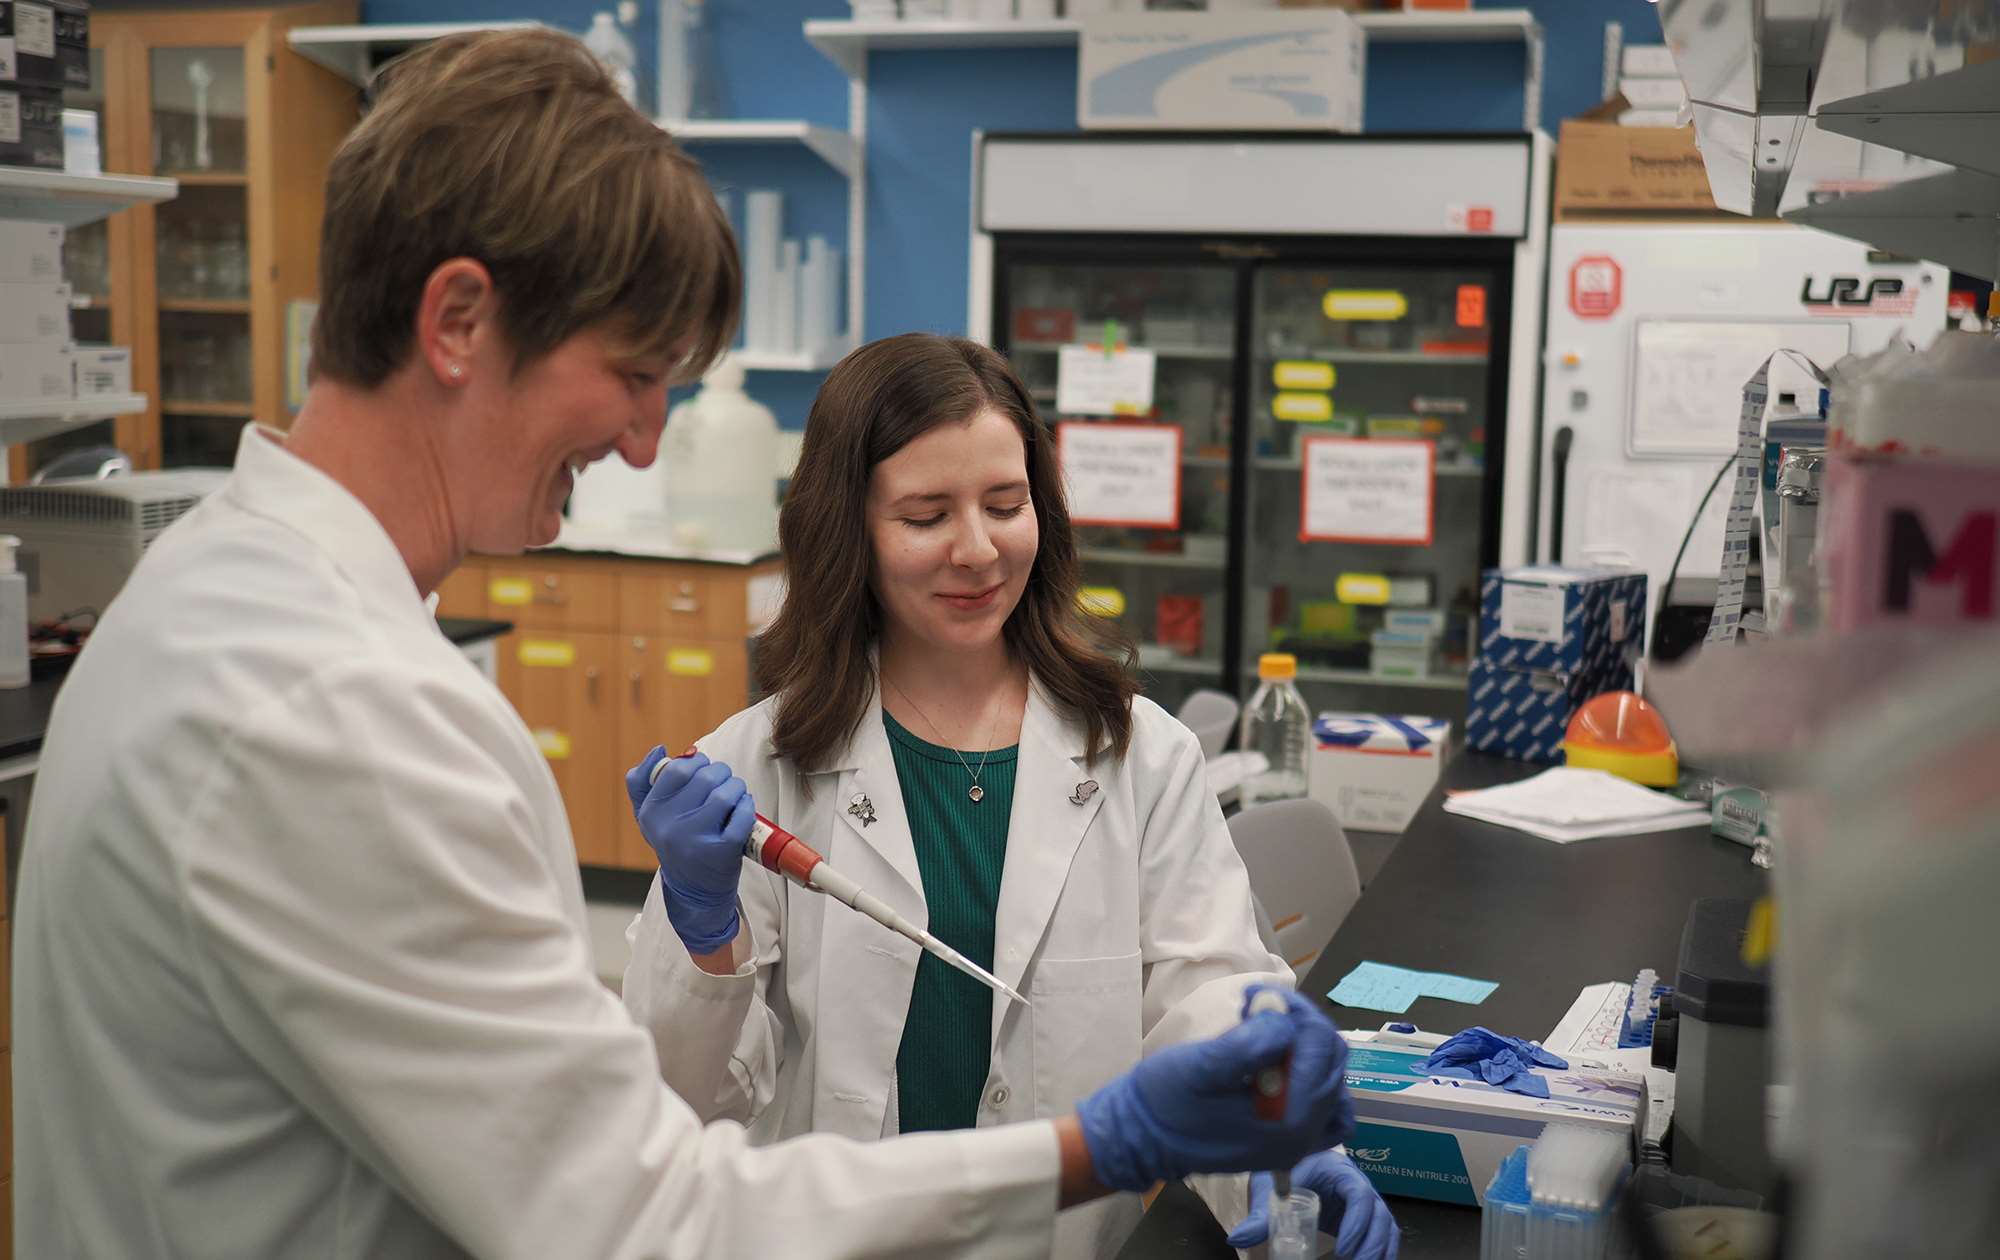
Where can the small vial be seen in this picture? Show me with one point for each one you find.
(1295, 1226)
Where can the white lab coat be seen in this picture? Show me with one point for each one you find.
(301, 967)
(1125, 918)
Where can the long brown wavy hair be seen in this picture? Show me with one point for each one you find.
(818, 655)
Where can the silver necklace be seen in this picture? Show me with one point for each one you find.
(976, 792)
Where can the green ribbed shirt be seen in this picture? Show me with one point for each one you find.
(961, 847)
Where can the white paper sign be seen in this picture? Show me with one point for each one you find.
(1122, 474)
(1092, 383)
(1687, 378)
(1371, 490)
(1531, 612)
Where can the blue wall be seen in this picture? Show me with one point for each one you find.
(924, 107)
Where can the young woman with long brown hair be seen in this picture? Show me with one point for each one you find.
(946, 727)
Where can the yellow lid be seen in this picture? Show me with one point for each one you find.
(1275, 665)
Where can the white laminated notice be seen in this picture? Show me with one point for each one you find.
(10, 117)
(1727, 617)
(9, 69)
(1531, 612)
(34, 29)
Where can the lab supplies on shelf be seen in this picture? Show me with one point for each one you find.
(791, 288)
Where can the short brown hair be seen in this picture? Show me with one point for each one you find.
(515, 149)
(818, 655)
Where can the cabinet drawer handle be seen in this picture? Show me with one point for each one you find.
(685, 602)
(590, 682)
(635, 690)
(551, 593)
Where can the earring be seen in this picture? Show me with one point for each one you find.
(456, 370)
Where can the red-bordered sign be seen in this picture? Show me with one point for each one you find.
(1118, 472)
(1596, 286)
(1368, 490)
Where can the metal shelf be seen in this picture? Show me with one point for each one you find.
(29, 419)
(1273, 463)
(835, 147)
(39, 196)
(1197, 665)
(790, 360)
(1377, 356)
(1150, 559)
(349, 51)
(1212, 353)
(1366, 678)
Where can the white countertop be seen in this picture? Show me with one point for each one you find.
(647, 544)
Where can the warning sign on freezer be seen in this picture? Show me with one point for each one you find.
(1596, 287)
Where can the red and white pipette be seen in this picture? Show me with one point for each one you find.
(776, 849)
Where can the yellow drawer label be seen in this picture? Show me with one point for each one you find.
(1100, 601)
(1302, 374)
(554, 744)
(1362, 588)
(513, 591)
(1364, 304)
(1304, 407)
(546, 653)
(690, 662)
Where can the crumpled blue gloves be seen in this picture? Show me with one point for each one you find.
(1349, 1209)
(696, 817)
(1480, 1054)
(1190, 1108)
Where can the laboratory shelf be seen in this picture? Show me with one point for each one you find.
(39, 196)
(1377, 356)
(1150, 559)
(833, 146)
(349, 51)
(1274, 463)
(790, 360)
(1367, 678)
(1201, 666)
(847, 44)
(29, 419)
(1204, 461)
(1215, 353)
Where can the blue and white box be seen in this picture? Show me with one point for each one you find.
(1376, 770)
(1262, 71)
(1579, 622)
(1524, 713)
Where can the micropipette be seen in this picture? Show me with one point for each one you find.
(776, 849)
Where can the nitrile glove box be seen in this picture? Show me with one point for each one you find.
(1248, 71)
(1524, 713)
(1437, 1137)
(1572, 621)
(1375, 770)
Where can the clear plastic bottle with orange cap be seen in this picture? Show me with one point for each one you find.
(1278, 725)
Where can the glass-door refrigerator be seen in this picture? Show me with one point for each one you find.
(1343, 334)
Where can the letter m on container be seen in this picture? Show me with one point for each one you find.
(1911, 540)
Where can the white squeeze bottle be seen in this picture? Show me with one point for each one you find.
(1277, 725)
(608, 44)
(721, 452)
(13, 617)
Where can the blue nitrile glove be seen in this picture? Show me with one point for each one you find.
(1349, 1209)
(1190, 1108)
(1480, 1054)
(696, 816)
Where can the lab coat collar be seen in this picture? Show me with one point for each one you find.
(271, 482)
(866, 770)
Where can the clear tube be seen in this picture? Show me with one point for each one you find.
(1295, 1225)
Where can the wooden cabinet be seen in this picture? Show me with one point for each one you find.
(214, 289)
(609, 657)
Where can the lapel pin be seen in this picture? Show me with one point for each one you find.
(863, 808)
(1084, 791)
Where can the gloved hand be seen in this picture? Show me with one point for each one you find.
(1190, 1108)
(1349, 1209)
(1480, 1054)
(696, 816)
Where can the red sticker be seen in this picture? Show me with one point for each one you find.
(1479, 219)
(1596, 287)
(1472, 306)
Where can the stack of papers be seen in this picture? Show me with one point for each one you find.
(1566, 804)
(1227, 772)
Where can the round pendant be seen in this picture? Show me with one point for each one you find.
(977, 794)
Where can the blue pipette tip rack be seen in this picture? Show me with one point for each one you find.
(1631, 1037)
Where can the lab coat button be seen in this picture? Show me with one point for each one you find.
(998, 1096)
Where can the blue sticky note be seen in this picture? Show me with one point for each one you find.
(1376, 986)
(1439, 984)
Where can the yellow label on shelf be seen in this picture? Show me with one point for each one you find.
(1364, 304)
(546, 653)
(1302, 374)
(554, 744)
(511, 591)
(1304, 407)
(690, 662)
(1101, 601)
(1362, 588)
(1326, 617)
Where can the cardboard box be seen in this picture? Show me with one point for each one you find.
(1512, 711)
(30, 253)
(1433, 1137)
(45, 43)
(1601, 166)
(1375, 771)
(103, 371)
(34, 312)
(36, 372)
(1237, 71)
(31, 127)
(1574, 621)
(1647, 61)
